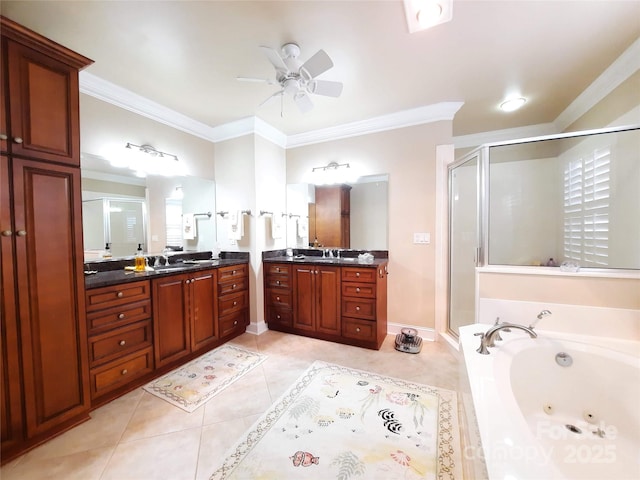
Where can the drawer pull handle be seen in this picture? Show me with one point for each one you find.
(122, 343)
(357, 289)
(357, 274)
(120, 294)
(121, 316)
(124, 372)
(358, 329)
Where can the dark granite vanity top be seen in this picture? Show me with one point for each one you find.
(314, 257)
(112, 272)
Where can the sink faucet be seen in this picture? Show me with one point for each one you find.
(488, 338)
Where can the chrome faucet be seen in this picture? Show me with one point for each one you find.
(541, 315)
(488, 338)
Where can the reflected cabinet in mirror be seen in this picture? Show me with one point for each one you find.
(566, 198)
(353, 215)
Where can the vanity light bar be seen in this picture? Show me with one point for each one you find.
(148, 149)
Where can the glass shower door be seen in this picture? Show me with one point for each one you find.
(463, 242)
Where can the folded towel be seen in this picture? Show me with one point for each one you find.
(236, 225)
(302, 227)
(276, 227)
(188, 226)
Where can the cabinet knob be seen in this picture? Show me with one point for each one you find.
(235, 323)
(122, 343)
(357, 274)
(233, 272)
(278, 317)
(277, 282)
(357, 289)
(3, 136)
(187, 281)
(316, 272)
(124, 372)
(18, 139)
(278, 299)
(233, 286)
(119, 294)
(235, 303)
(7, 233)
(277, 269)
(358, 329)
(21, 233)
(121, 316)
(357, 309)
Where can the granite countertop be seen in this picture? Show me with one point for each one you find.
(120, 275)
(315, 260)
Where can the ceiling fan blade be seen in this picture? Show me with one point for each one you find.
(270, 97)
(326, 88)
(256, 80)
(316, 65)
(303, 102)
(275, 59)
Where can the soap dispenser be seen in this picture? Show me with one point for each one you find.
(140, 261)
(107, 251)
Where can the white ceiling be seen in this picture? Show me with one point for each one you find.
(186, 55)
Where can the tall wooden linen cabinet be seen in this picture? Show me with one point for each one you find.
(44, 387)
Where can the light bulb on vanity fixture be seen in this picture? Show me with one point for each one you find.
(333, 173)
(147, 160)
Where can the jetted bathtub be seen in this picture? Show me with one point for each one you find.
(555, 408)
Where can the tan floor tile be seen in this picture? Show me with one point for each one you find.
(85, 465)
(172, 456)
(215, 441)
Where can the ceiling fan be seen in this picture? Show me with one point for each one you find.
(298, 79)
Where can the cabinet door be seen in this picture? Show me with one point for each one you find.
(171, 329)
(327, 301)
(43, 106)
(304, 301)
(10, 388)
(203, 319)
(50, 280)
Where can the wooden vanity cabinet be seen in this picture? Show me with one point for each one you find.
(44, 384)
(184, 308)
(120, 336)
(233, 300)
(345, 304)
(316, 299)
(278, 288)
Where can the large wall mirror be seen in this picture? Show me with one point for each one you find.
(574, 199)
(156, 211)
(353, 215)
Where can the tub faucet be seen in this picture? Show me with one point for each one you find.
(488, 338)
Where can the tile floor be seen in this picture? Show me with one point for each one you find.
(141, 437)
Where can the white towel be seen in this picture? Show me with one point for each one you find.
(303, 227)
(188, 226)
(236, 225)
(276, 227)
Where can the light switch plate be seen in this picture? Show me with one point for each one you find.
(422, 238)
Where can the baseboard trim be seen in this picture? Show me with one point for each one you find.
(425, 333)
(257, 328)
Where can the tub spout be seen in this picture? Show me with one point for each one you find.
(489, 337)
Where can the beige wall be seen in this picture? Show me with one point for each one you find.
(408, 155)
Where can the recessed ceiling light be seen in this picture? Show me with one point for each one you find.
(423, 14)
(512, 104)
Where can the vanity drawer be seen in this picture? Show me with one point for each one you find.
(237, 286)
(280, 316)
(232, 303)
(277, 298)
(353, 274)
(278, 269)
(119, 342)
(120, 372)
(359, 308)
(360, 290)
(114, 295)
(232, 273)
(118, 316)
(234, 323)
(279, 281)
(359, 329)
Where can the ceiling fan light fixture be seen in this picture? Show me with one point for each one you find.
(512, 104)
(423, 14)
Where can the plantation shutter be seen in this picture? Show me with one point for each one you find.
(173, 222)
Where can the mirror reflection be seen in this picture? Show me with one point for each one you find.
(353, 215)
(156, 211)
(566, 199)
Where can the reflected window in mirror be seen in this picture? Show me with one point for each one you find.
(173, 222)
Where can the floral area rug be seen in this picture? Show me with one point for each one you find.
(192, 384)
(339, 423)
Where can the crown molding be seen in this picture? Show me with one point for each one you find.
(620, 70)
(405, 118)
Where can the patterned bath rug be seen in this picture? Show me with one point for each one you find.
(339, 423)
(192, 384)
